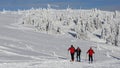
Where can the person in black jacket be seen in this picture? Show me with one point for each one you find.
(78, 53)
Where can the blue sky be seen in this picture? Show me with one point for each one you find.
(60, 4)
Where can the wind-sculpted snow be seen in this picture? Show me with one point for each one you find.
(83, 24)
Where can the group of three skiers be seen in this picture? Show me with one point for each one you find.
(72, 50)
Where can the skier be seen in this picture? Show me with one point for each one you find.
(72, 51)
(78, 52)
(90, 52)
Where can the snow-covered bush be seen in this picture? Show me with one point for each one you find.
(82, 24)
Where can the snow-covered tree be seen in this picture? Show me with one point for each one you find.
(84, 24)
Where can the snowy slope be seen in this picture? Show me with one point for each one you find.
(23, 47)
(94, 24)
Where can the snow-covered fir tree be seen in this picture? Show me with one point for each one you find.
(82, 24)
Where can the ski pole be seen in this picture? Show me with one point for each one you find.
(86, 57)
(94, 57)
(68, 54)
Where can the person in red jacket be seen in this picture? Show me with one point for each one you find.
(72, 52)
(90, 52)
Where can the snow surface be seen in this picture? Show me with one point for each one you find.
(22, 46)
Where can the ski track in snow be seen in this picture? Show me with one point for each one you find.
(20, 47)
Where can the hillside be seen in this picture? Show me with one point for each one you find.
(94, 25)
(23, 45)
